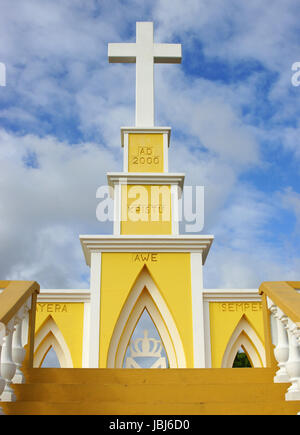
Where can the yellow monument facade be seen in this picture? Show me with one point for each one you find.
(146, 270)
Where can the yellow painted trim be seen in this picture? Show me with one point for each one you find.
(14, 296)
(269, 347)
(284, 296)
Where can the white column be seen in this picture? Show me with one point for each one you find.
(8, 367)
(94, 328)
(2, 335)
(281, 351)
(18, 351)
(174, 209)
(293, 363)
(197, 310)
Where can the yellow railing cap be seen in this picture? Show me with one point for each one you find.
(14, 295)
(284, 295)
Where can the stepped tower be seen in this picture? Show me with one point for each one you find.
(146, 264)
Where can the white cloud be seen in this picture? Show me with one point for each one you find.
(56, 56)
(291, 201)
(248, 248)
(43, 209)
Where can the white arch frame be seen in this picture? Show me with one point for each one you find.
(49, 335)
(145, 294)
(244, 336)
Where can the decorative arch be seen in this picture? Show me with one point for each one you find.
(246, 337)
(49, 335)
(145, 295)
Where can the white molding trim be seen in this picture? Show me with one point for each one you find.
(145, 178)
(64, 295)
(231, 295)
(244, 335)
(152, 243)
(161, 316)
(162, 130)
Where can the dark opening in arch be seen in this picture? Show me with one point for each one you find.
(241, 359)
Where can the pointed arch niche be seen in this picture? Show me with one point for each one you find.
(244, 336)
(49, 335)
(145, 295)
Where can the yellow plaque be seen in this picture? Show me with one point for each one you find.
(146, 209)
(145, 152)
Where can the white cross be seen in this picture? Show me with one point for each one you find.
(144, 53)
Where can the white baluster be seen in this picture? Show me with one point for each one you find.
(2, 335)
(281, 350)
(8, 367)
(18, 351)
(293, 363)
(2, 381)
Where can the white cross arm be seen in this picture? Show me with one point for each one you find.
(167, 53)
(128, 53)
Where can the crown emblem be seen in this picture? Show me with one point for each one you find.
(145, 347)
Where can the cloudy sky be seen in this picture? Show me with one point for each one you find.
(232, 107)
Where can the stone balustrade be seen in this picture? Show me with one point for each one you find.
(17, 319)
(283, 303)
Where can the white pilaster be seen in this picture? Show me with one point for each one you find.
(117, 208)
(126, 153)
(86, 334)
(198, 311)
(174, 209)
(95, 288)
(166, 151)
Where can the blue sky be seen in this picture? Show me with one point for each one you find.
(231, 105)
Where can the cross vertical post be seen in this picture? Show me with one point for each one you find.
(144, 53)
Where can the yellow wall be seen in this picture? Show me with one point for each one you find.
(224, 317)
(69, 319)
(171, 274)
(146, 209)
(145, 152)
